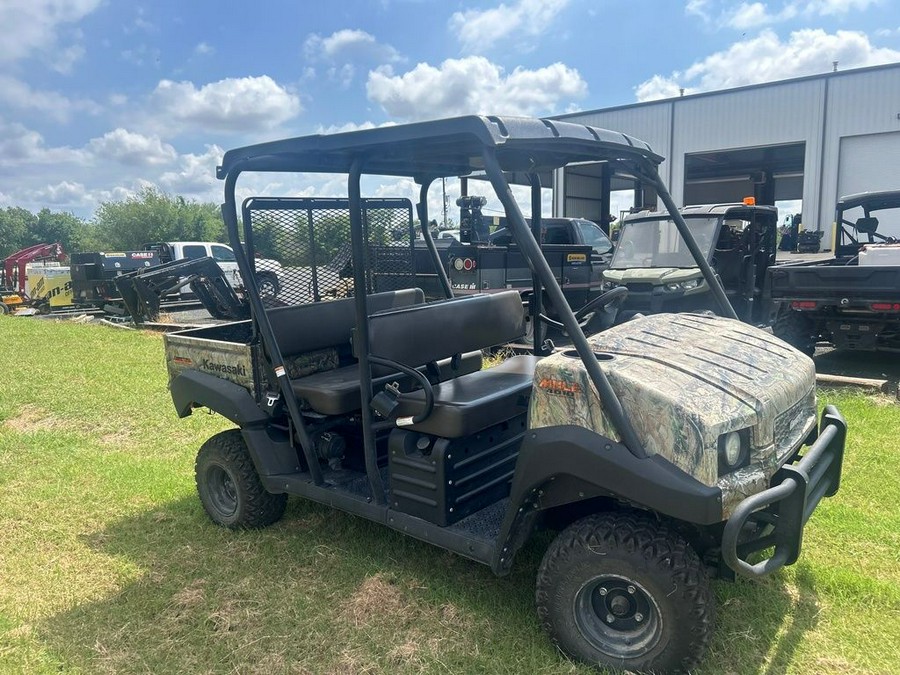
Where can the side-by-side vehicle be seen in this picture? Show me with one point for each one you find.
(654, 263)
(664, 451)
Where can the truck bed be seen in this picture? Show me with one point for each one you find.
(834, 280)
(223, 350)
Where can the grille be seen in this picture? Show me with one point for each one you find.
(790, 426)
(305, 245)
(640, 288)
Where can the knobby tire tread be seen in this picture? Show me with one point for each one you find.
(660, 546)
(258, 508)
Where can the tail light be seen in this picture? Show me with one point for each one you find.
(803, 304)
(464, 264)
(885, 306)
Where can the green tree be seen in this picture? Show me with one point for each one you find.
(66, 228)
(15, 226)
(153, 215)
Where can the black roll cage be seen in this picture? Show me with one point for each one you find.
(869, 202)
(428, 151)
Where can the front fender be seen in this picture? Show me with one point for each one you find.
(567, 464)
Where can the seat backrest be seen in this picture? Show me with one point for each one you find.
(306, 328)
(421, 334)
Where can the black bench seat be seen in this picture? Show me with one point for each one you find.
(422, 333)
(336, 392)
(465, 405)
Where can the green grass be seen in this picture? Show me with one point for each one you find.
(109, 565)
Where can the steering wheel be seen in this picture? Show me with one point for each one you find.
(608, 302)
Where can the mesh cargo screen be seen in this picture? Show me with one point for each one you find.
(306, 243)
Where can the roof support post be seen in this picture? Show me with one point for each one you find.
(361, 337)
(422, 210)
(261, 320)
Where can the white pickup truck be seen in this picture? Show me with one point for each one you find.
(267, 271)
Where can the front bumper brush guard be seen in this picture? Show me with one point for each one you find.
(784, 508)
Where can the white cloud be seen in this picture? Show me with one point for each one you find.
(63, 193)
(767, 59)
(22, 146)
(34, 26)
(351, 126)
(658, 87)
(477, 30)
(204, 49)
(473, 85)
(132, 148)
(345, 50)
(349, 45)
(19, 95)
(63, 60)
(195, 174)
(231, 105)
(748, 15)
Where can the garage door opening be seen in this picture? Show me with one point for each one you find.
(594, 191)
(771, 174)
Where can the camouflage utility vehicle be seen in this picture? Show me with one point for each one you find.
(654, 263)
(664, 451)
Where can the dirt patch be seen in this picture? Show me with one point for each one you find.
(388, 612)
(117, 439)
(32, 418)
(189, 597)
(376, 597)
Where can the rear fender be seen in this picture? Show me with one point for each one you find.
(192, 388)
(270, 449)
(563, 465)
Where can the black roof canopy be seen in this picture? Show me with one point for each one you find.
(448, 147)
(874, 201)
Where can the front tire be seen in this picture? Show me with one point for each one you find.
(229, 487)
(623, 591)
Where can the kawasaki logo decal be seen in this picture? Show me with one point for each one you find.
(206, 364)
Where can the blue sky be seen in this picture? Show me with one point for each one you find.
(99, 98)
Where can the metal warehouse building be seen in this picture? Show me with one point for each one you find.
(811, 139)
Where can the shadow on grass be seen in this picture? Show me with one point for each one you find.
(198, 598)
(762, 624)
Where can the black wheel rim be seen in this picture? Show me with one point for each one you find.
(267, 288)
(222, 491)
(618, 616)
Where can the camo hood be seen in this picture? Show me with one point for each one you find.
(657, 275)
(684, 380)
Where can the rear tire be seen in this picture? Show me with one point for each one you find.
(3, 308)
(623, 591)
(229, 487)
(795, 329)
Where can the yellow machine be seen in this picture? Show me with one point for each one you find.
(51, 286)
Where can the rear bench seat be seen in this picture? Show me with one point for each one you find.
(471, 402)
(315, 342)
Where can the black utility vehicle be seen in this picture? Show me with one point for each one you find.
(665, 450)
(853, 299)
